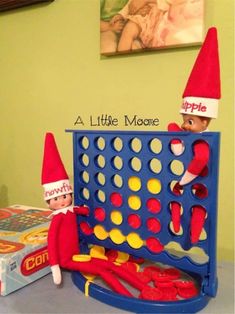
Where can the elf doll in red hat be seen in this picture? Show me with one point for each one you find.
(200, 105)
(63, 241)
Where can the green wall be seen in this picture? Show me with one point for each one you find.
(51, 73)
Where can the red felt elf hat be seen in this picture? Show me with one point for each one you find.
(54, 177)
(202, 93)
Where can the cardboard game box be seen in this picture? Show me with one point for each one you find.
(23, 246)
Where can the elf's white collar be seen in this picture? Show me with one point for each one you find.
(61, 211)
(206, 130)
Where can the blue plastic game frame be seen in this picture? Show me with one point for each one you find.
(205, 273)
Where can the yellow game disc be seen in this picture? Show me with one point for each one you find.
(134, 183)
(81, 258)
(100, 232)
(122, 257)
(154, 186)
(89, 277)
(116, 236)
(134, 240)
(98, 252)
(134, 202)
(116, 217)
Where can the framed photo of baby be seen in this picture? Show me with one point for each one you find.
(140, 25)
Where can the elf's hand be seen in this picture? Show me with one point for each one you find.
(174, 127)
(177, 148)
(187, 178)
(56, 274)
(81, 210)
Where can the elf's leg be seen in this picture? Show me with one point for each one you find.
(122, 273)
(176, 208)
(198, 213)
(175, 216)
(197, 222)
(91, 267)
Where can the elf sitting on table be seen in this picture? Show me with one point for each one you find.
(63, 241)
(200, 105)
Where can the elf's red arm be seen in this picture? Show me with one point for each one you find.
(81, 210)
(52, 240)
(173, 127)
(200, 158)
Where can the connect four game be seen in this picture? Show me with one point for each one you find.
(127, 180)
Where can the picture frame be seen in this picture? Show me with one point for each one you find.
(127, 27)
(6, 5)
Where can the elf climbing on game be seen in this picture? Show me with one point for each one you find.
(200, 105)
(63, 241)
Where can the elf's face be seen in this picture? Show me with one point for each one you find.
(192, 123)
(60, 201)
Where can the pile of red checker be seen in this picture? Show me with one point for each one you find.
(168, 284)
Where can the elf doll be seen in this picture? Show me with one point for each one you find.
(63, 241)
(200, 105)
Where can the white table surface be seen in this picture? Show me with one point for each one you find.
(43, 297)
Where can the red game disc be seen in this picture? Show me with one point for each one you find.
(149, 293)
(86, 228)
(173, 273)
(116, 199)
(168, 293)
(154, 245)
(134, 221)
(161, 277)
(184, 284)
(99, 214)
(151, 270)
(153, 225)
(153, 205)
(164, 284)
(143, 277)
(187, 293)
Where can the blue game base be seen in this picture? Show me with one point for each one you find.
(135, 305)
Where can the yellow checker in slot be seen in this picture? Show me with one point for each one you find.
(116, 217)
(100, 232)
(116, 236)
(154, 186)
(134, 202)
(134, 183)
(134, 240)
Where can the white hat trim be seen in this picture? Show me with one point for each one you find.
(199, 106)
(56, 189)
